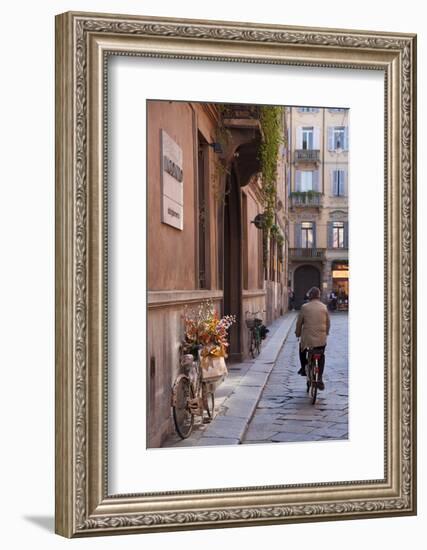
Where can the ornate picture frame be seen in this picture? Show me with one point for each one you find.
(83, 44)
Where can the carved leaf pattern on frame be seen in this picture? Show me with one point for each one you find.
(211, 31)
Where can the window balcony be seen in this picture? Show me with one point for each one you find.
(307, 156)
(307, 254)
(306, 199)
(241, 116)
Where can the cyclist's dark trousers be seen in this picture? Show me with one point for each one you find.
(303, 359)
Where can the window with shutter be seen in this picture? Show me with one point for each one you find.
(344, 183)
(338, 133)
(345, 145)
(307, 137)
(345, 234)
(337, 234)
(316, 142)
(306, 181)
(315, 180)
(297, 235)
(330, 139)
(338, 183)
(299, 138)
(307, 236)
(334, 178)
(298, 180)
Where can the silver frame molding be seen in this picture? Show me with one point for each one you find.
(83, 43)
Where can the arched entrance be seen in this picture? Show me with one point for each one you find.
(232, 263)
(305, 277)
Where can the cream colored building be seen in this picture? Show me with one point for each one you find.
(318, 185)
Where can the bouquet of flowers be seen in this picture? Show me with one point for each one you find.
(203, 328)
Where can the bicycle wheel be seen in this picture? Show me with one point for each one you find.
(252, 345)
(313, 378)
(313, 392)
(258, 343)
(182, 416)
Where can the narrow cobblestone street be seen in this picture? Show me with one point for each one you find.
(285, 413)
(265, 400)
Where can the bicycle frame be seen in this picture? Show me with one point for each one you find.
(254, 325)
(191, 367)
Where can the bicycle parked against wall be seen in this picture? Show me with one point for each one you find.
(191, 395)
(257, 332)
(312, 371)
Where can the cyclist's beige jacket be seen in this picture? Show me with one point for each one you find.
(313, 324)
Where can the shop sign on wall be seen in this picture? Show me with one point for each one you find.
(172, 181)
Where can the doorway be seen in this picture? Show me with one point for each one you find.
(232, 270)
(305, 277)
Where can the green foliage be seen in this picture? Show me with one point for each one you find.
(271, 118)
(277, 234)
(265, 247)
(280, 240)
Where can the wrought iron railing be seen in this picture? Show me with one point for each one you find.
(307, 155)
(306, 199)
(314, 253)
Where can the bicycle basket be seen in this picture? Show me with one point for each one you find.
(213, 368)
(252, 323)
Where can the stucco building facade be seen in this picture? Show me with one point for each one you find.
(318, 189)
(204, 192)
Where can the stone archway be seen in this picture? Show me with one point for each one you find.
(305, 276)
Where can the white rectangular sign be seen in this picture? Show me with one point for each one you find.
(172, 178)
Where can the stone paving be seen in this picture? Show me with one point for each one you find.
(285, 413)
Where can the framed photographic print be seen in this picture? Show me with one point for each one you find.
(235, 274)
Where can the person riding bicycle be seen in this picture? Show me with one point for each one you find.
(312, 327)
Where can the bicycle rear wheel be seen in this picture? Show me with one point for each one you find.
(313, 379)
(313, 392)
(258, 343)
(252, 345)
(183, 418)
